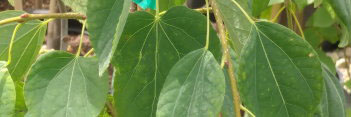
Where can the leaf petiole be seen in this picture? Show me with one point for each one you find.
(18, 26)
(81, 38)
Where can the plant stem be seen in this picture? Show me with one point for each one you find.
(221, 30)
(18, 26)
(111, 109)
(89, 52)
(298, 24)
(247, 110)
(157, 9)
(288, 13)
(278, 14)
(201, 10)
(27, 17)
(81, 39)
(208, 26)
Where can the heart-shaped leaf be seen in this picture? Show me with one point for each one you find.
(106, 19)
(148, 49)
(26, 46)
(195, 87)
(7, 92)
(279, 73)
(61, 84)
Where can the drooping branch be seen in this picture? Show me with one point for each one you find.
(27, 17)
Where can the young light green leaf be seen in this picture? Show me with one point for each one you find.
(106, 20)
(61, 84)
(195, 87)
(235, 21)
(279, 73)
(26, 46)
(7, 92)
(148, 49)
(258, 6)
(333, 101)
(166, 4)
(79, 6)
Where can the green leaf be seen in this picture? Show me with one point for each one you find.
(195, 87)
(61, 84)
(148, 49)
(235, 21)
(333, 102)
(7, 92)
(301, 4)
(343, 11)
(279, 73)
(322, 18)
(78, 6)
(167, 4)
(258, 6)
(106, 20)
(26, 46)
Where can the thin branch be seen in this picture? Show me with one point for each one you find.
(89, 52)
(111, 109)
(27, 17)
(201, 10)
(298, 24)
(81, 38)
(208, 25)
(278, 14)
(221, 30)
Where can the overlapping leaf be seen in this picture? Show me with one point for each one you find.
(258, 6)
(61, 84)
(333, 102)
(106, 20)
(7, 92)
(195, 87)
(235, 20)
(26, 46)
(279, 73)
(343, 11)
(148, 49)
(167, 4)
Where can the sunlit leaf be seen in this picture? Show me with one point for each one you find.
(148, 49)
(195, 87)
(61, 84)
(7, 92)
(26, 46)
(333, 102)
(106, 20)
(235, 21)
(279, 73)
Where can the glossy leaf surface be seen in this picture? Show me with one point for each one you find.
(148, 49)
(195, 87)
(26, 46)
(106, 20)
(7, 92)
(279, 73)
(61, 84)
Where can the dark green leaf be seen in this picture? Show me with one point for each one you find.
(195, 87)
(333, 102)
(26, 46)
(258, 6)
(106, 20)
(322, 18)
(148, 49)
(61, 84)
(166, 4)
(7, 92)
(235, 21)
(300, 4)
(279, 73)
